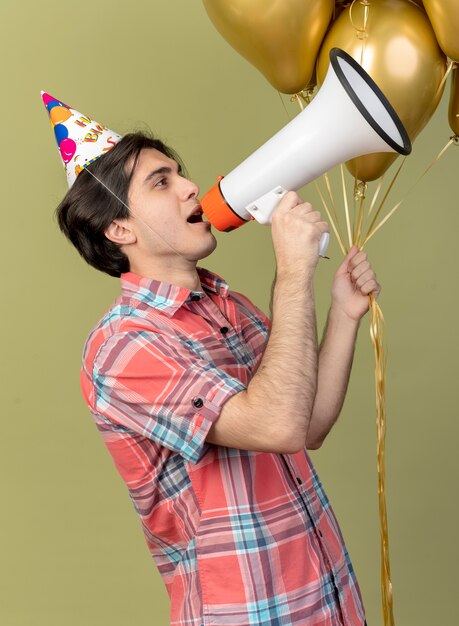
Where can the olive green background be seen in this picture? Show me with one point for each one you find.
(72, 550)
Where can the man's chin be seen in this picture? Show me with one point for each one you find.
(208, 249)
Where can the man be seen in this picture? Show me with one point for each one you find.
(208, 408)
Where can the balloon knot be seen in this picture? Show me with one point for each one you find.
(297, 98)
(360, 189)
(307, 94)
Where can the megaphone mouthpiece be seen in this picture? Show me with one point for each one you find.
(218, 211)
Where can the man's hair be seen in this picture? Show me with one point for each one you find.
(89, 208)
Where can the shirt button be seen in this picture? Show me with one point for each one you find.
(320, 533)
(197, 402)
(224, 330)
(298, 480)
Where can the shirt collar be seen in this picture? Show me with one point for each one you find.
(166, 297)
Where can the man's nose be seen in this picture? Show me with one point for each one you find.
(191, 190)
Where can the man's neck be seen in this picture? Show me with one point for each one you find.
(186, 277)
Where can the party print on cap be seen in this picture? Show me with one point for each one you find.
(80, 139)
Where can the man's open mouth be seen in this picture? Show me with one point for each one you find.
(196, 216)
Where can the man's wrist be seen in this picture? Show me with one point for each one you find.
(338, 316)
(301, 276)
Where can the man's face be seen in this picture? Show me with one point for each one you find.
(166, 214)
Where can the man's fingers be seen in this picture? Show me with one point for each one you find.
(293, 207)
(371, 286)
(344, 267)
(313, 216)
(364, 278)
(289, 202)
(366, 283)
(363, 267)
(360, 257)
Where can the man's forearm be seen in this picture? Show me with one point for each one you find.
(273, 413)
(334, 368)
(293, 341)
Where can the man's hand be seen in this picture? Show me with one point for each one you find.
(296, 232)
(353, 282)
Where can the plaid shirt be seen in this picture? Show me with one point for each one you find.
(240, 538)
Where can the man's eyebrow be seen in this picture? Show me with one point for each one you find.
(161, 170)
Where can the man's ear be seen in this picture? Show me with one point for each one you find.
(120, 232)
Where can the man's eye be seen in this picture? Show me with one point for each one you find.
(161, 182)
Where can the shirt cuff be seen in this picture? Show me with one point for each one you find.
(206, 411)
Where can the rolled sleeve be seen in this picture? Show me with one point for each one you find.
(155, 386)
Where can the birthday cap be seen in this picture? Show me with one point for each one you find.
(81, 140)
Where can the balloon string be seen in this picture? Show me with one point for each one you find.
(285, 108)
(365, 3)
(374, 229)
(366, 9)
(330, 193)
(359, 196)
(362, 33)
(332, 222)
(376, 333)
(375, 195)
(297, 98)
(449, 67)
(346, 207)
(383, 201)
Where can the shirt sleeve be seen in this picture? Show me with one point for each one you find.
(157, 387)
(256, 312)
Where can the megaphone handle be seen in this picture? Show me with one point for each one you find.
(324, 241)
(263, 208)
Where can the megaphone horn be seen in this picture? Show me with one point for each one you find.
(349, 117)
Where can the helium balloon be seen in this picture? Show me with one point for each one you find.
(453, 113)
(444, 17)
(401, 54)
(281, 39)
